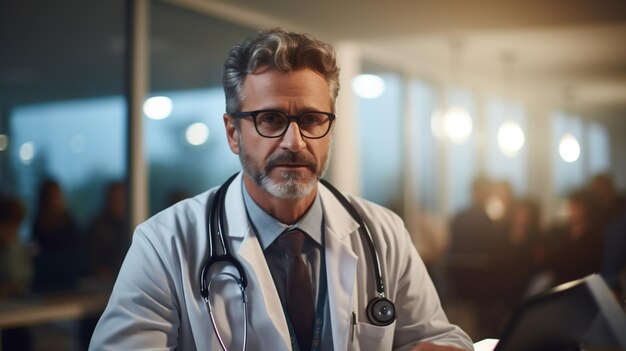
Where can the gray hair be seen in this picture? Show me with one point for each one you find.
(281, 50)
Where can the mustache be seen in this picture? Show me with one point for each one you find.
(300, 158)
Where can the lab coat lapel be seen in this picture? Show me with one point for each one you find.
(341, 264)
(263, 298)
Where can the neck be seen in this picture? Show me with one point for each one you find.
(287, 211)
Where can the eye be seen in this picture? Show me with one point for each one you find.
(312, 119)
(271, 118)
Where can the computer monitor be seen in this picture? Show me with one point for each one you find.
(582, 314)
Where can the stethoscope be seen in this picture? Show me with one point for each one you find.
(380, 310)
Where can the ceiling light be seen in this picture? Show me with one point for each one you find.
(569, 148)
(27, 152)
(158, 107)
(368, 86)
(4, 142)
(197, 134)
(510, 138)
(457, 124)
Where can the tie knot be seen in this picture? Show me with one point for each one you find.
(292, 242)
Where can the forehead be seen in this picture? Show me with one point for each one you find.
(270, 88)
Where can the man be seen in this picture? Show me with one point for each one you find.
(280, 94)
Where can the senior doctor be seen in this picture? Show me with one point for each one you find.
(309, 271)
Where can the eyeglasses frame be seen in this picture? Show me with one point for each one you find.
(290, 119)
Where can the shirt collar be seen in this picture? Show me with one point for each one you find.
(269, 228)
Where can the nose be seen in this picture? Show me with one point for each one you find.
(292, 140)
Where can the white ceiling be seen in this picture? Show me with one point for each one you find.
(555, 48)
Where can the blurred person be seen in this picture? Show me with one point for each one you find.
(106, 240)
(576, 246)
(431, 237)
(614, 256)
(15, 268)
(611, 208)
(526, 229)
(608, 201)
(15, 258)
(507, 239)
(59, 261)
(472, 233)
(524, 221)
(285, 226)
(499, 203)
(54, 227)
(471, 271)
(107, 237)
(518, 255)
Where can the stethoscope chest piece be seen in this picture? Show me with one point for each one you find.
(381, 311)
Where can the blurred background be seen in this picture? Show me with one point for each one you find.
(496, 129)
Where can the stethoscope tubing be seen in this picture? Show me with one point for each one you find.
(216, 224)
(365, 232)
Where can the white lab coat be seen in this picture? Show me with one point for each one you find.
(156, 302)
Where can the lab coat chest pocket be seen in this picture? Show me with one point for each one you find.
(370, 337)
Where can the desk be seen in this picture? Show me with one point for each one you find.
(25, 312)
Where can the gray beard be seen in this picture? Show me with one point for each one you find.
(291, 186)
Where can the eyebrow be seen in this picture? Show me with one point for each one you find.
(298, 111)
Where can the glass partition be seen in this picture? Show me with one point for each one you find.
(568, 158)
(380, 141)
(424, 145)
(461, 153)
(599, 160)
(63, 155)
(62, 100)
(79, 143)
(506, 149)
(186, 148)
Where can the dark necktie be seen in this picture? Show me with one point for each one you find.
(299, 295)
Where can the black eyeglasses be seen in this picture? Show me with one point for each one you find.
(274, 124)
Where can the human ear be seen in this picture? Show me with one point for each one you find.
(232, 134)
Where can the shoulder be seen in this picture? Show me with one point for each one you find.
(171, 244)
